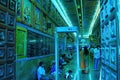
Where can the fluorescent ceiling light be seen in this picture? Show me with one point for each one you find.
(79, 36)
(94, 18)
(32, 41)
(85, 36)
(75, 33)
(62, 11)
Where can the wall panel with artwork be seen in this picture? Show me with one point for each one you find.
(7, 38)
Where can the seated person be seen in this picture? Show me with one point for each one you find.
(52, 71)
(52, 68)
(69, 56)
(41, 72)
(68, 75)
(61, 62)
(65, 58)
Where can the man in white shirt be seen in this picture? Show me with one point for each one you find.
(96, 57)
(41, 72)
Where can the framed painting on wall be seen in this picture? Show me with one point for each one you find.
(27, 12)
(2, 71)
(11, 36)
(4, 2)
(2, 53)
(113, 28)
(11, 21)
(12, 4)
(107, 56)
(2, 36)
(2, 16)
(37, 18)
(10, 69)
(19, 9)
(10, 53)
(113, 60)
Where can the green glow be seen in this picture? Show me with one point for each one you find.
(21, 42)
(86, 36)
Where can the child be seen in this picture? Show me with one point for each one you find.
(68, 75)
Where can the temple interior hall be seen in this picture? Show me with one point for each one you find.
(59, 39)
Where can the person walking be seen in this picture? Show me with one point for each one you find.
(82, 62)
(96, 57)
(86, 59)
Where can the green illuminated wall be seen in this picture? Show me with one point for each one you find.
(21, 45)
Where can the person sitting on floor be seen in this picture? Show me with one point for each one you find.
(69, 56)
(68, 75)
(65, 58)
(41, 72)
(61, 63)
(52, 71)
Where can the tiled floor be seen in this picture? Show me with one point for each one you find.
(92, 75)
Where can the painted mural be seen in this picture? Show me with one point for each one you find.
(37, 18)
(27, 9)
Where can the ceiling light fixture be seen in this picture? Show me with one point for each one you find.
(78, 6)
(75, 34)
(86, 36)
(58, 5)
(94, 18)
(81, 18)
